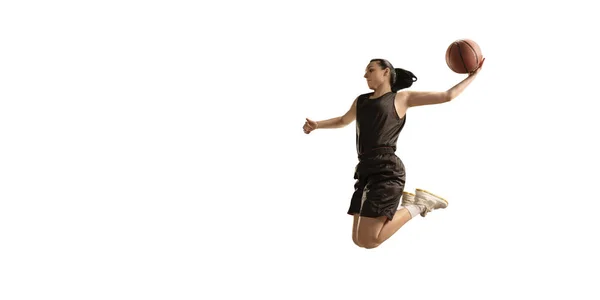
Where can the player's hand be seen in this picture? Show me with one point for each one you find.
(309, 126)
(478, 68)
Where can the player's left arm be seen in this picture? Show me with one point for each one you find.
(416, 98)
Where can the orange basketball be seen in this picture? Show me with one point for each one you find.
(463, 56)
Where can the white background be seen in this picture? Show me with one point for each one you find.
(154, 150)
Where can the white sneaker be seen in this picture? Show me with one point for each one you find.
(408, 199)
(429, 201)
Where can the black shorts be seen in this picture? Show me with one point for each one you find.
(380, 179)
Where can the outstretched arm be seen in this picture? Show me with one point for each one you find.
(415, 98)
(337, 122)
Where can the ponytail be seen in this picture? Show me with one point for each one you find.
(403, 79)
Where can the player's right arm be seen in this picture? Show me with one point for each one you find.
(337, 122)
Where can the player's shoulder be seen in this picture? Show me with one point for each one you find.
(401, 95)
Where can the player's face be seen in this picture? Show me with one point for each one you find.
(375, 75)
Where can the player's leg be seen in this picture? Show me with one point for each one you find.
(374, 228)
(380, 217)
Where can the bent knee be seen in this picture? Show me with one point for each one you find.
(368, 242)
(371, 245)
(365, 245)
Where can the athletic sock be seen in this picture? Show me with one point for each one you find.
(414, 210)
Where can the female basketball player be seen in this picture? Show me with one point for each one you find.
(380, 174)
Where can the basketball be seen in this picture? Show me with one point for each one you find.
(463, 56)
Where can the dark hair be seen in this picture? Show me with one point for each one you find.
(400, 78)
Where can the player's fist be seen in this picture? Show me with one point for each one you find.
(309, 126)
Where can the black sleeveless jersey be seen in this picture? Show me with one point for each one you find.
(377, 122)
